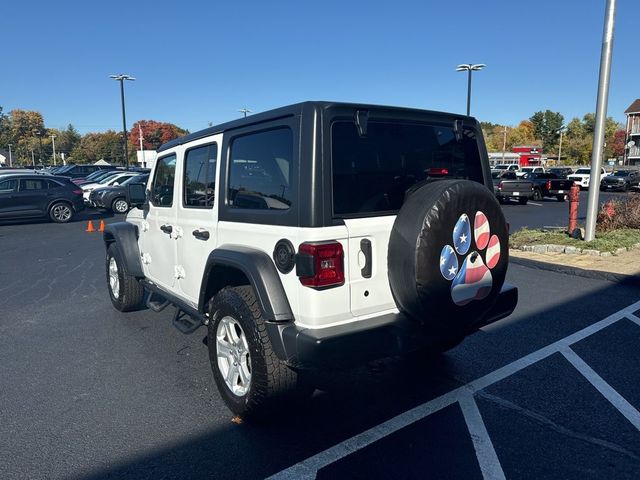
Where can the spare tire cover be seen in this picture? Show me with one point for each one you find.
(448, 254)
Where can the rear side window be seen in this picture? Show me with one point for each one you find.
(28, 184)
(163, 181)
(260, 170)
(200, 176)
(372, 173)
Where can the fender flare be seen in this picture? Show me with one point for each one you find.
(125, 237)
(259, 269)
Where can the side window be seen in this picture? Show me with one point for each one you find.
(200, 176)
(162, 188)
(28, 184)
(8, 186)
(52, 184)
(260, 170)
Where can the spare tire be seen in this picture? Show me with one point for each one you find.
(448, 255)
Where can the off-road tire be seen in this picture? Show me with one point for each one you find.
(61, 212)
(273, 385)
(523, 200)
(130, 293)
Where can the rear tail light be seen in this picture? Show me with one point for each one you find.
(320, 265)
(77, 191)
(500, 186)
(433, 172)
(548, 184)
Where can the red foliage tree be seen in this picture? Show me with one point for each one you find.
(616, 143)
(154, 133)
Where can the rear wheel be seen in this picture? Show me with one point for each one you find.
(251, 379)
(537, 194)
(120, 205)
(523, 200)
(561, 198)
(61, 212)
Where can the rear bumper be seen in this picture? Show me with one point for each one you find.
(379, 337)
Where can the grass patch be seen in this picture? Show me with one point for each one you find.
(604, 241)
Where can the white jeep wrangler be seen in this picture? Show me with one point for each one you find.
(316, 235)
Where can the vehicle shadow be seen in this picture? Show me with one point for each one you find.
(352, 401)
(83, 216)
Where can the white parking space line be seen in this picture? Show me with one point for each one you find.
(485, 453)
(308, 468)
(536, 204)
(607, 391)
(633, 318)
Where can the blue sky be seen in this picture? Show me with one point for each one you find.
(200, 61)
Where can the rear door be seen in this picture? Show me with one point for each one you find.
(197, 214)
(8, 200)
(32, 197)
(372, 174)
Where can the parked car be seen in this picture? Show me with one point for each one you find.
(80, 171)
(32, 196)
(115, 198)
(95, 176)
(511, 167)
(620, 180)
(506, 185)
(561, 172)
(111, 180)
(525, 170)
(549, 185)
(582, 176)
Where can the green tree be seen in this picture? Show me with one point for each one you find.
(23, 127)
(99, 146)
(546, 127)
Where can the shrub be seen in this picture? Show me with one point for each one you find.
(616, 214)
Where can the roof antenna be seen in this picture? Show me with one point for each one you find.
(362, 119)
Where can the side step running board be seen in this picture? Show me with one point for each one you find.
(186, 318)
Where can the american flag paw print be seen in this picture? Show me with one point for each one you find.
(470, 275)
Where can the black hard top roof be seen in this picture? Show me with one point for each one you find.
(289, 111)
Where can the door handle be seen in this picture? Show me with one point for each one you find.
(167, 229)
(365, 247)
(201, 234)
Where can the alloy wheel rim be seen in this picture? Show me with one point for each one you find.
(114, 279)
(61, 212)
(234, 359)
(121, 206)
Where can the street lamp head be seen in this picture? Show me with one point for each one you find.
(463, 67)
(121, 77)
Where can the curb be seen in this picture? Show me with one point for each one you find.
(570, 250)
(578, 272)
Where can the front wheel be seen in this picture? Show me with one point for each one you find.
(251, 379)
(125, 290)
(120, 205)
(61, 212)
(537, 194)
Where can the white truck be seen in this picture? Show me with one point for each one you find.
(582, 176)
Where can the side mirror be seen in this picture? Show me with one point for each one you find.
(136, 194)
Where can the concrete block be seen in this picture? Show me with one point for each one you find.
(555, 248)
(588, 251)
(572, 250)
(605, 254)
(540, 248)
(619, 251)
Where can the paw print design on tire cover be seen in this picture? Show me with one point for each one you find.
(473, 280)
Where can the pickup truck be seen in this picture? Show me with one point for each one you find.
(582, 176)
(506, 185)
(525, 170)
(549, 185)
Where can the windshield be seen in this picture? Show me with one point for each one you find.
(622, 173)
(135, 179)
(501, 167)
(582, 171)
(374, 172)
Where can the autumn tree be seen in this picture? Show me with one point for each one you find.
(615, 144)
(99, 146)
(154, 134)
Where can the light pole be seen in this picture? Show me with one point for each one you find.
(561, 130)
(469, 67)
(53, 140)
(39, 134)
(121, 78)
(245, 111)
(10, 159)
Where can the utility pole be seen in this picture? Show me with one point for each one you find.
(121, 78)
(10, 159)
(560, 145)
(33, 159)
(53, 140)
(601, 116)
(144, 162)
(504, 143)
(39, 134)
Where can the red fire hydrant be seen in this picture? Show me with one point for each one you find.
(574, 201)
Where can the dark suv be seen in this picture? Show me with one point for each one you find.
(33, 196)
(81, 171)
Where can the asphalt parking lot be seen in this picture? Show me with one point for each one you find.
(550, 392)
